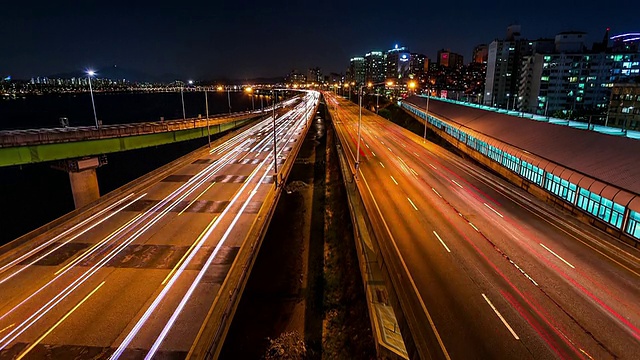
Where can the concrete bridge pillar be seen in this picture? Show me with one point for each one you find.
(83, 178)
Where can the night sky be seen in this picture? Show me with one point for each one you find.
(247, 39)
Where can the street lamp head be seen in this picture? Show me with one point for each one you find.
(220, 88)
(369, 84)
(248, 89)
(91, 72)
(390, 83)
(190, 82)
(412, 85)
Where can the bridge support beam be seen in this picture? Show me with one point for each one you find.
(83, 178)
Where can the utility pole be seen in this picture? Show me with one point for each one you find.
(206, 105)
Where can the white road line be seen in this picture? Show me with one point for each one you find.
(455, 182)
(365, 144)
(473, 226)
(381, 164)
(394, 180)
(404, 145)
(492, 209)
(524, 273)
(413, 171)
(404, 265)
(501, 318)
(389, 149)
(433, 166)
(412, 204)
(435, 191)
(558, 256)
(441, 242)
(374, 154)
(416, 154)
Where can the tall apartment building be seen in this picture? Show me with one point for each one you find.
(571, 78)
(503, 68)
(624, 108)
(418, 65)
(398, 63)
(446, 58)
(375, 66)
(357, 70)
(480, 54)
(314, 75)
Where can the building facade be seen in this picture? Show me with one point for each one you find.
(504, 62)
(572, 79)
(418, 65)
(624, 108)
(480, 54)
(314, 75)
(446, 58)
(375, 66)
(398, 63)
(357, 70)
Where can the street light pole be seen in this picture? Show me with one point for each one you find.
(426, 118)
(359, 127)
(229, 99)
(206, 105)
(275, 159)
(184, 117)
(90, 73)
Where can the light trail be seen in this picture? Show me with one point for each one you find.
(186, 262)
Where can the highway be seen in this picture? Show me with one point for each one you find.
(493, 272)
(136, 278)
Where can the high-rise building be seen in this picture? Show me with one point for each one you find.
(504, 63)
(314, 75)
(572, 79)
(398, 61)
(418, 64)
(624, 108)
(446, 58)
(480, 54)
(297, 78)
(357, 70)
(376, 67)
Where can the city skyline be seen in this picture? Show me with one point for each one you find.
(254, 39)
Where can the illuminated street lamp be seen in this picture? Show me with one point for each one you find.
(249, 90)
(91, 73)
(184, 117)
(206, 106)
(359, 128)
(426, 117)
(275, 159)
(412, 86)
(221, 88)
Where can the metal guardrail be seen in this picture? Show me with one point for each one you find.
(14, 138)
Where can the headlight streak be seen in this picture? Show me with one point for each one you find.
(17, 331)
(194, 284)
(48, 283)
(67, 241)
(63, 234)
(171, 200)
(35, 343)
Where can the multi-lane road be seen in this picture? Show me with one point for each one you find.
(494, 273)
(136, 278)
